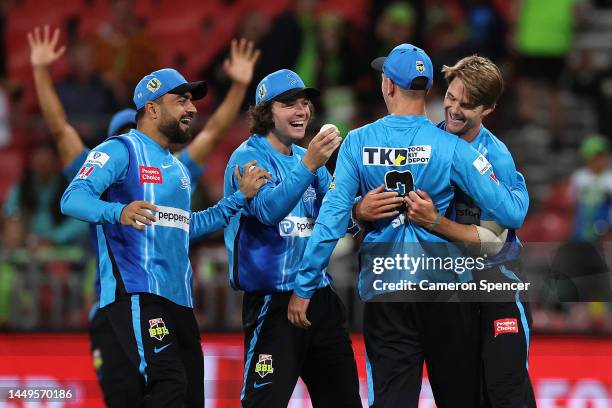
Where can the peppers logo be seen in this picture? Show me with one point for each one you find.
(264, 365)
(157, 329)
(153, 85)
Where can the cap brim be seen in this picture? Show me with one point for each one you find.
(198, 89)
(377, 63)
(292, 93)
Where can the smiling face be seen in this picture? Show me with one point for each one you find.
(177, 112)
(290, 119)
(461, 115)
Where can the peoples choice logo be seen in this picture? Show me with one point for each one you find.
(172, 217)
(150, 175)
(296, 227)
(395, 156)
(501, 326)
(157, 329)
(264, 365)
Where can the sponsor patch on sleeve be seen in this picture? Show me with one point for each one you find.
(85, 172)
(97, 159)
(482, 164)
(503, 326)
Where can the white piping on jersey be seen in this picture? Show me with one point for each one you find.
(150, 230)
(188, 274)
(141, 161)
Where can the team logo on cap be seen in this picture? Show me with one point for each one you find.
(262, 92)
(420, 66)
(153, 85)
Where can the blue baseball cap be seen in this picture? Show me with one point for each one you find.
(282, 85)
(121, 119)
(405, 63)
(163, 81)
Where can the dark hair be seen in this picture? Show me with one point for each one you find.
(260, 117)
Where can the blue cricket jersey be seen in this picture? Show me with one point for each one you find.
(266, 240)
(133, 167)
(404, 153)
(465, 210)
(71, 170)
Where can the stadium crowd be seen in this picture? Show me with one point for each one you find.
(554, 118)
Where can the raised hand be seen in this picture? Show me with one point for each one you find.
(43, 46)
(321, 148)
(241, 63)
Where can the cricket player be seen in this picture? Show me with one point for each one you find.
(474, 86)
(121, 383)
(139, 195)
(406, 152)
(265, 243)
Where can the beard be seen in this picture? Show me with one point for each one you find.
(171, 128)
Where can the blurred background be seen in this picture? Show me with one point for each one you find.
(555, 117)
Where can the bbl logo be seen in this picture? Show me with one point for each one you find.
(264, 365)
(420, 66)
(153, 85)
(157, 329)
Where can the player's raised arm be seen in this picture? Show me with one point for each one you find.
(239, 67)
(44, 51)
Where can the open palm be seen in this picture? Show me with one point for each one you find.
(43, 46)
(239, 66)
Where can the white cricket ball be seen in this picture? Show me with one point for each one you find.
(327, 126)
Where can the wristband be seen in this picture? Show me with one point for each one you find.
(436, 221)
